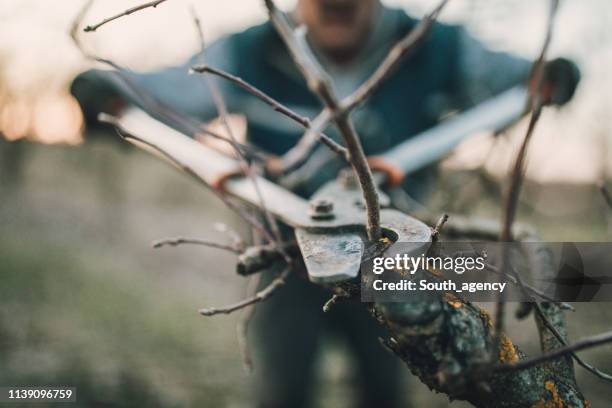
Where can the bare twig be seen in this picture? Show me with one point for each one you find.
(339, 295)
(277, 106)
(194, 241)
(319, 84)
(517, 175)
(435, 233)
(258, 297)
(583, 344)
(236, 239)
(298, 154)
(536, 108)
(153, 4)
(330, 302)
(242, 327)
(551, 328)
(250, 219)
(533, 292)
(529, 292)
(150, 104)
(244, 165)
(606, 195)
(404, 47)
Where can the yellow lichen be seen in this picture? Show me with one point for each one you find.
(507, 352)
(555, 400)
(486, 317)
(452, 300)
(385, 241)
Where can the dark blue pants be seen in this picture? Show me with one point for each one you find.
(288, 330)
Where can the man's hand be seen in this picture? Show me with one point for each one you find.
(561, 78)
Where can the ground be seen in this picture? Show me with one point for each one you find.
(86, 301)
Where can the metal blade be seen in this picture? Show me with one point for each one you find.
(330, 258)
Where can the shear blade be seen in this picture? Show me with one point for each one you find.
(330, 258)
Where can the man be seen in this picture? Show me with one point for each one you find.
(450, 71)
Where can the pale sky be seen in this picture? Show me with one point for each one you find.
(37, 62)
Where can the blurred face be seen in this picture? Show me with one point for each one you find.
(338, 27)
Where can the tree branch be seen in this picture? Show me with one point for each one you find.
(150, 104)
(195, 241)
(242, 327)
(403, 48)
(244, 165)
(277, 106)
(606, 195)
(258, 297)
(252, 221)
(586, 343)
(518, 171)
(153, 4)
(319, 85)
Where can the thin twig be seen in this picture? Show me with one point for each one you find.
(319, 84)
(583, 344)
(300, 152)
(153, 4)
(606, 195)
(435, 232)
(276, 105)
(403, 48)
(258, 297)
(536, 108)
(194, 241)
(251, 220)
(244, 165)
(548, 324)
(242, 327)
(517, 175)
(330, 302)
(529, 289)
(237, 240)
(149, 103)
(400, 50)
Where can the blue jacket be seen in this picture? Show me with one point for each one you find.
(449, 71)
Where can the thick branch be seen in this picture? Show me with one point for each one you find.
(319, 84)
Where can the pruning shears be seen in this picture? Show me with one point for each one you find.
(329, 228)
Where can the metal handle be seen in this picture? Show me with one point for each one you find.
(433, 144)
